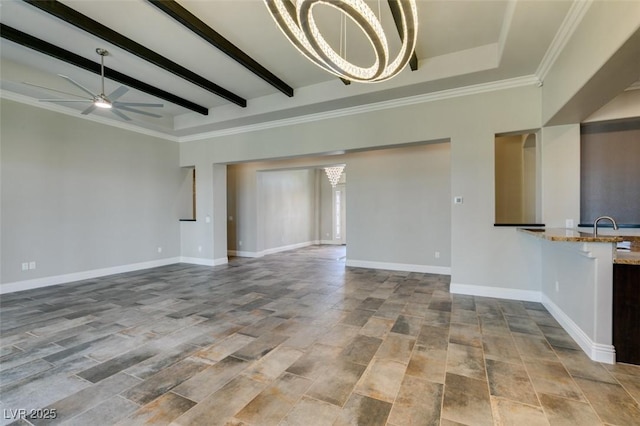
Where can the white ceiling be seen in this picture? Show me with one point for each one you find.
(461, 43)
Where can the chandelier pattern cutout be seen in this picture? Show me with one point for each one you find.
(334, 173)
(295, 19)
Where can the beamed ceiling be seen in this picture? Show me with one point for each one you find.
(223, 64)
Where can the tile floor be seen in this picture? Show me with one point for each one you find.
(295, 339)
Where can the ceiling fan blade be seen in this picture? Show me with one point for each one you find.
(64, 100)
(53, 90)
(117, 93)
(78, 85)
(139, 104)
(119, 114)
(137, 111)
(89, 109)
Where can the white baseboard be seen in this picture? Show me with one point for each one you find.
(596, 351)
(496, 292)
(331, 242)
(288, 247)
(84, 275)
(443, 270)
(240, 253)
(203, 261)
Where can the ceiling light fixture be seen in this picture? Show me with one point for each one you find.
(101, 101)
(334, 173)
(295, 19)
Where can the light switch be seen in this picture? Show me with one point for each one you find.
(207, 219)
(457, 200)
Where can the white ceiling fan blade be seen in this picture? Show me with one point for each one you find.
(117, 93)
(137, 111)
(119, 114)
(89, 110)
(139, 104)
(52, 90)
(78, 85)
(64, 100)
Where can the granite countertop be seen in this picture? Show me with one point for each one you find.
(629, 257)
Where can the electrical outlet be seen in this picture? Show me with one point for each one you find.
(437, 255)
(25, 266)
(568, 223)
(159, 249)
(199, 249)
(32, 264)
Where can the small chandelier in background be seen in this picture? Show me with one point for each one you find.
(295, 19)
(334, 173)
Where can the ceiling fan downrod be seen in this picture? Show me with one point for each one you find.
(101, 101)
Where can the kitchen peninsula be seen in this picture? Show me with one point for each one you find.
(578, 286)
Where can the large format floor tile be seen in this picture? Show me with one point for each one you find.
(295, 338)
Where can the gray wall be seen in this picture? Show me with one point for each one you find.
(269, 209)
(80, 196)
(286, 213)
(481, 254)
(398, 205)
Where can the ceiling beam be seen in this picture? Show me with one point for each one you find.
(87, 24)
(397, 18)
(47, 48)
(190, 21)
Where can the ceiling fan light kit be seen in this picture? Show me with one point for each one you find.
(295, 19)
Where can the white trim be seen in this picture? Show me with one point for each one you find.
(240, 253)
(288, 247)
(12, 96)
(332, 242)
(336, 113)
(203, 261)
(220, 261)
(596, 351)
(394, 103)
(84, 275)
(495, 292)
(569, 25)
(428, 269)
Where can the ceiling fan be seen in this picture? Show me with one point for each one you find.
(101, 100)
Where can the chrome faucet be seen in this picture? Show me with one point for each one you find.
(595, 224)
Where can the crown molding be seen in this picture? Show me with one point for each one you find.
(12, 96)
(528, 80)
(569, 25)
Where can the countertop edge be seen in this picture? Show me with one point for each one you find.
(555, 234)
(622, 257)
